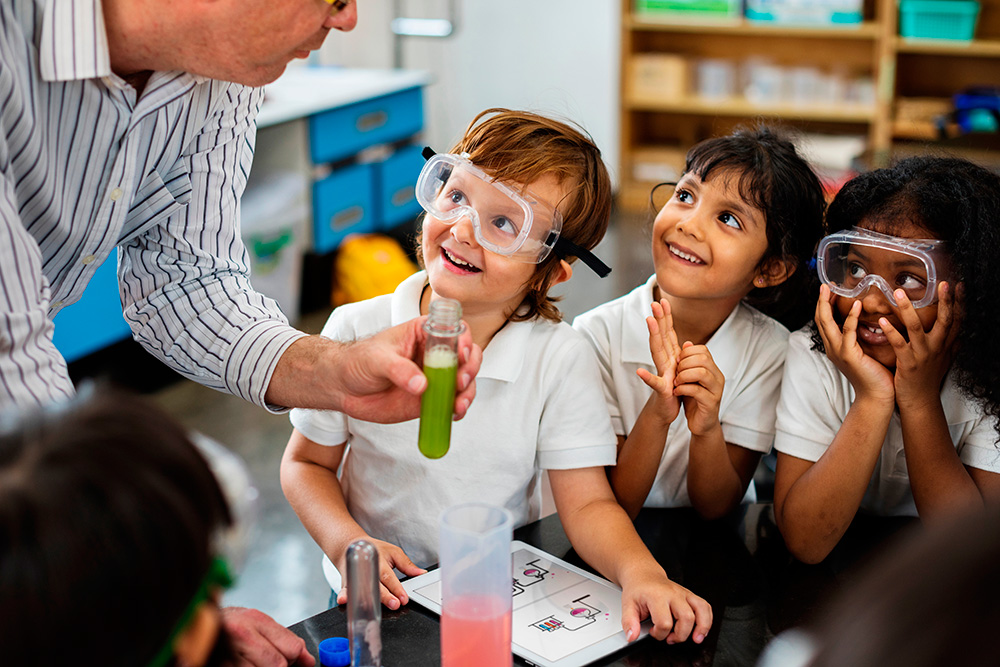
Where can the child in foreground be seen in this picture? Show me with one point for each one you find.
(112, 536)
(890, 401)
(693, 419)
(508, 209)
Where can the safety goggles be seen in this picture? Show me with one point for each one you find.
(851, 262)
(507, 221)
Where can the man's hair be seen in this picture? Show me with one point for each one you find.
(107, 513)
(521, 147)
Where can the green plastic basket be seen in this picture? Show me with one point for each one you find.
(938, 19)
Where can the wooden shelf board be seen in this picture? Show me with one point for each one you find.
(866, 30)
(977, 48)
(740, 107)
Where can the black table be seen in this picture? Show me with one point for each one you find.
(739, 564)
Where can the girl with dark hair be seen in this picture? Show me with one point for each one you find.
(735, 236)
(890, 402)
(110, 527)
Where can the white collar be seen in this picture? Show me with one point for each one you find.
(503, 358)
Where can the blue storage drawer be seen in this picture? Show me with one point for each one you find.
(343, 203)
(95, 321)
(396, 186)
(341, 133)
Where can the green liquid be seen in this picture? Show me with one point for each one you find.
(437, 403)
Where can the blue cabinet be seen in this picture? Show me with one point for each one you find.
(95, 321)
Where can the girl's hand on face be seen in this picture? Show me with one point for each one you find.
(701, 382)
(389, 556)
(924, 360)
(866, 375)
(665, 351)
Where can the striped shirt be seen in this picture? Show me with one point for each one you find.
(87, 167)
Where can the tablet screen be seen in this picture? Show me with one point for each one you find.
(562, 616)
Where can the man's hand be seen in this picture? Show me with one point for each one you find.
(259, 641)
(377, 379)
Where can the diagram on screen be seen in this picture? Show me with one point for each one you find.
(579, 614)
(529, 575)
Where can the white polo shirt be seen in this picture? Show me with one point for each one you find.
(749, 349)
(538, 405)
(815, 399)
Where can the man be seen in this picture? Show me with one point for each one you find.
(119, 127)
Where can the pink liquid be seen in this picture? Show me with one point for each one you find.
(475, 632)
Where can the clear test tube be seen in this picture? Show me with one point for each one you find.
(364, 605)
(437, 405)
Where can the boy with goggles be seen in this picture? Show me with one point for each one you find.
(851, 262)
(508, 221)
(500, 207)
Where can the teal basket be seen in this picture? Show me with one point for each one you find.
(938, 19)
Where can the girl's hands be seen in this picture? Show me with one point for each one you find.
(665, 351)
(923, 361)
(701, 382)
(866, 375)
(389, 557)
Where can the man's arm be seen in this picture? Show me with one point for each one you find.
(32, 372)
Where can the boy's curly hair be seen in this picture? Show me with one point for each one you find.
(521, 147)
(958, 202)
(774, 178)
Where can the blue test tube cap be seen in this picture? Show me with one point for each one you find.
(334, 652)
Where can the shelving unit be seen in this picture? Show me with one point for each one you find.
(909, 77)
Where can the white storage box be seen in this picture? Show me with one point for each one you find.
(274, 223)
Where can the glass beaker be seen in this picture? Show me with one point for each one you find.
(476, 589)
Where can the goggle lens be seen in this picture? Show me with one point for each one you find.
(852, 269)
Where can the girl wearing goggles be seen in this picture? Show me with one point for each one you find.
(735, 235)
(498, 201)
(889, 402)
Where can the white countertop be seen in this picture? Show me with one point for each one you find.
(302, 90)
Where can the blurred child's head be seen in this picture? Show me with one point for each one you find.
(549, 163)
(749, 209)
(953, 201)
(107, 516)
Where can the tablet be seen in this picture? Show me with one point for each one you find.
(562, 615)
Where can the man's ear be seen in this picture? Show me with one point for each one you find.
(773, 272)
(562, 274)
(194, 643)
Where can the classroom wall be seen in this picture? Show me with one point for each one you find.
(555, 56)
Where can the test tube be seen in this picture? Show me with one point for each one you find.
(364, 605)
(437, 405)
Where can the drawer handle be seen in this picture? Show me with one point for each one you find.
(346, 218)
(402, 196)
(372, 121)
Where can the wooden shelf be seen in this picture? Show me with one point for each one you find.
(977, 48)
(741, 107)
(866, 30)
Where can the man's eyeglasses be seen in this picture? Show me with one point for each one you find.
(336, 6)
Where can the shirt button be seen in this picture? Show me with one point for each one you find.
(88, 259)
(56, 304)
(116, 194)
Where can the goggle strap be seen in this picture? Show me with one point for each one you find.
(428, 153)
(565, 248)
